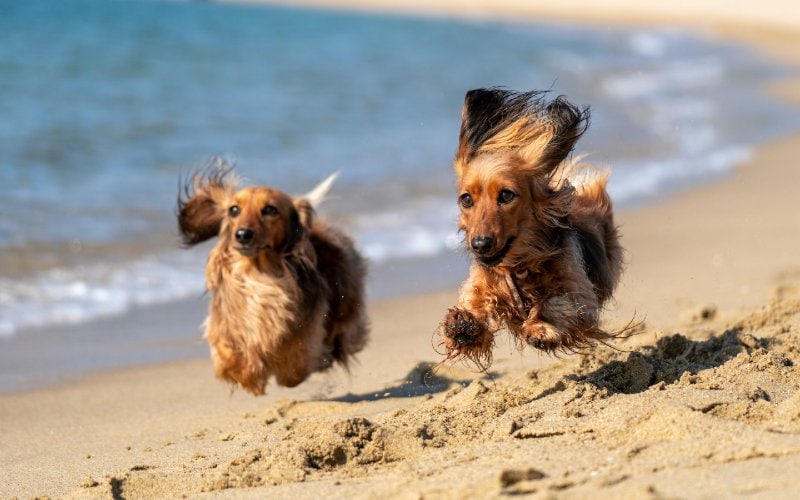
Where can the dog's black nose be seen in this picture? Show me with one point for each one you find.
(482, 244)
(244, 235)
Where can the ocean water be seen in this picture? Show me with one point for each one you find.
(103, 104)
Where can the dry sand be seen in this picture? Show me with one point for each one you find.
(704, 402)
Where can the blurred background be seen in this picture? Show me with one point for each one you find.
(105, 103)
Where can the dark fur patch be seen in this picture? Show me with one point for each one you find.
(311, 284)
(337, 266)
(330, 260)
(294, 231)
(595, 260)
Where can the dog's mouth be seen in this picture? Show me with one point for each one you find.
(496, 258)
(251, 250)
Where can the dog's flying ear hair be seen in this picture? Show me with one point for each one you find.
(565, 123)
(202, 202)
(486, 112)
(497, 119)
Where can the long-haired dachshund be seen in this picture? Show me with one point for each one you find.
(287, 289)
(540, 228)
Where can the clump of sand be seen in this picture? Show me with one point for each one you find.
(714, 401)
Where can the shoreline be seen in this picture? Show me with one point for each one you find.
(763, 24)
(729, 247)
(50, 357)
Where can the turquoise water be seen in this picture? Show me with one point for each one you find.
(104, 103)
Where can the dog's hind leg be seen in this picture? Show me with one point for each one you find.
(349, 336)
(562, 322)
(295, 366)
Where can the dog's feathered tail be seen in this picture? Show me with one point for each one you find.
(317, 195)
(588, 180)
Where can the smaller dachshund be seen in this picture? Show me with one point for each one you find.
(540, 227)
(287, 289)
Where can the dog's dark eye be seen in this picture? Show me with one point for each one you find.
(465, 200)
(506, 196)
(234, 210)
(269, 210)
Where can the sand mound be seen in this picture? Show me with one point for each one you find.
(725, 399)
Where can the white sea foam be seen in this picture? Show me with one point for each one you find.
(669, 76)
(631, 183)
(648, 44)
(422, 230)
(75, 295)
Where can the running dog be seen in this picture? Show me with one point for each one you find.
(287, 288)
(540, 228)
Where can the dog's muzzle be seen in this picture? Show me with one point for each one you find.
(481, 251)
(245, 237)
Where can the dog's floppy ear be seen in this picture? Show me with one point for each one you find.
(201, 203)
(496, 119)
(485, 112)
(300, 220)
(562, 124)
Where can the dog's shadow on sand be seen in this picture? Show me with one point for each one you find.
(670, 359)
(424, 378)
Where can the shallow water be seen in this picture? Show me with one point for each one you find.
(105, 103)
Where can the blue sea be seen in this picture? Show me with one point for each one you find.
(104, 103)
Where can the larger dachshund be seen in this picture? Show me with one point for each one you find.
(287, 289)
(539, 226)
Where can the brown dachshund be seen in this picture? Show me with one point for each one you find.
(287, 289)
(539, 226)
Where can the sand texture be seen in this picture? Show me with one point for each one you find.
(714, 409)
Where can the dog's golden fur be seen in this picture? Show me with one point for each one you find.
(539, 225)
(287, 289)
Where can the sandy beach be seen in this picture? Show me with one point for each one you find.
(703, 402)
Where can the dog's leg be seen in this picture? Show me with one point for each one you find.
(295, 365)
(303, 353)
(234, 366)
(469, 328)
(462, 328)
(562, 322)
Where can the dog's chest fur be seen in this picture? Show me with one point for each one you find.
(523, 287)
(260, 306)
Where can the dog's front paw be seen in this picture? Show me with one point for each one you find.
(460, 327)
(465, 336)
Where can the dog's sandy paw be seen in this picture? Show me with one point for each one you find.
(542, 335)
(461, 328)
(465, 336)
